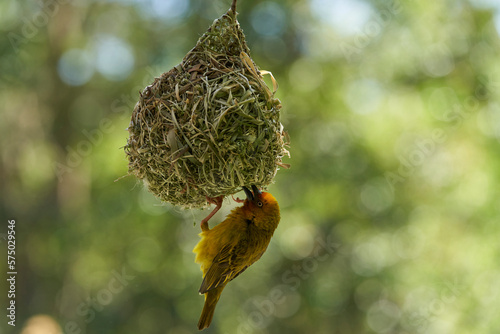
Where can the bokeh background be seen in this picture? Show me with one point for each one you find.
(390, 212)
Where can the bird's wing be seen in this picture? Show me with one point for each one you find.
(223, 269)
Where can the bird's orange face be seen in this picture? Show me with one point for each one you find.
(263, 206)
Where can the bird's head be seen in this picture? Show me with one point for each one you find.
(263, 207)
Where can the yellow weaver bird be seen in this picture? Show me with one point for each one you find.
(226, 250)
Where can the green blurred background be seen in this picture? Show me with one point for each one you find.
(390, 212)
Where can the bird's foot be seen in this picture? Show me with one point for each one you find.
(237, 199)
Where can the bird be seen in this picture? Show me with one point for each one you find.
(229, 248)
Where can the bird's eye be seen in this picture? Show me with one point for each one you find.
(259, 204)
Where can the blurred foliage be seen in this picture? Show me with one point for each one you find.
(389, 212)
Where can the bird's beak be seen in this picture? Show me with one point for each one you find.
(256, 191)
(249, 194)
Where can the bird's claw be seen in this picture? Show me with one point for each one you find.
(237, 199)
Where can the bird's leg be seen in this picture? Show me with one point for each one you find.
(218, 204)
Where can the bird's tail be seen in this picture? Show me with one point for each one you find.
(211, 299)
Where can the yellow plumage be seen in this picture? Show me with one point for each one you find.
(226, 250)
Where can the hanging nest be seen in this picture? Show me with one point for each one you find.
(209, 125)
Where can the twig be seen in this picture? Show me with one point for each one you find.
(233, 7)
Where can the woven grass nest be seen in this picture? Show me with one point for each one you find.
(209, 125)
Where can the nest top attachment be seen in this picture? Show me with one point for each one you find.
(209, 125)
